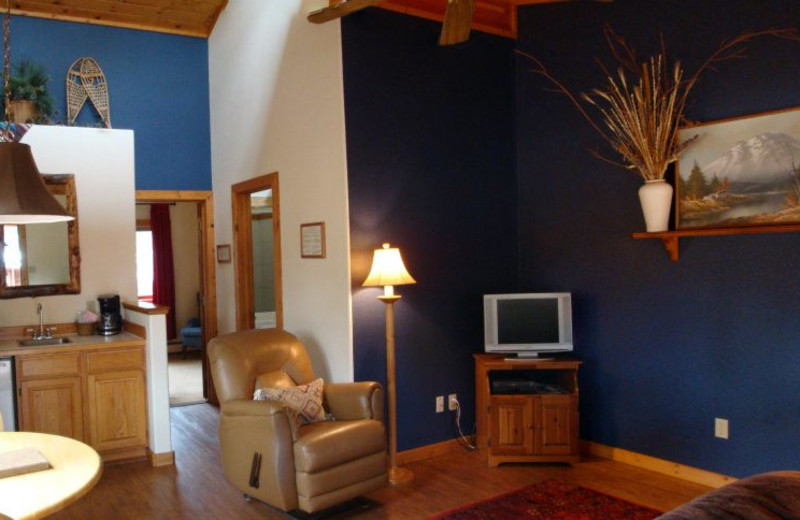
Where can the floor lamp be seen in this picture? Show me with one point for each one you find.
(387, 271)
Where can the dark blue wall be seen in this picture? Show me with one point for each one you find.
(667, 346)
(430, 145)
(158, 87)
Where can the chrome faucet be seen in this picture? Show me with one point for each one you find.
(41, 333)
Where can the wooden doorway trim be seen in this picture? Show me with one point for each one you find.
(243, 248)
(208, 273)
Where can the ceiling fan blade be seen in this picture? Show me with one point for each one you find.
(337, 10)
(457, 21)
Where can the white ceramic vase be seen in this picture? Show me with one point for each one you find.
(656, 199)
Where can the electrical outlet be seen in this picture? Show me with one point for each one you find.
(721, 428)
(439, 403)
(452, 402)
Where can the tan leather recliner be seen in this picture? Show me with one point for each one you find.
(329, 462)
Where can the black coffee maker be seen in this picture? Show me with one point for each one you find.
(110, 318)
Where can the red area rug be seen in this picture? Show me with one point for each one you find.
(551, 500)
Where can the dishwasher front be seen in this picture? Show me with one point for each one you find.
(8, 395)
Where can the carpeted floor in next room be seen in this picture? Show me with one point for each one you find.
(185, 379)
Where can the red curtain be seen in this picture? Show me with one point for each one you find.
(163, 270)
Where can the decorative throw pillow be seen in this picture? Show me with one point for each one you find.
(306, 400)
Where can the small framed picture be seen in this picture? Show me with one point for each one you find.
(312, 240)
(224, 254)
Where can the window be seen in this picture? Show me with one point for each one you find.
(12, 255)
(144, 264)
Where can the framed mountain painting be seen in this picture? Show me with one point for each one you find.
(740, 172)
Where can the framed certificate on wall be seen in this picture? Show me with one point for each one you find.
(312, 240)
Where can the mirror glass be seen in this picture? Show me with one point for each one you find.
(42, 259)
(263, 259)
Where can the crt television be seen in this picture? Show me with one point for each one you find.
(527, 324)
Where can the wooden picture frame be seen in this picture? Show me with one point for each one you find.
(224, 254)
(740, 172)
(312, 240)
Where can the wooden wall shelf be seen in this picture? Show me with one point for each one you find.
(671, 239)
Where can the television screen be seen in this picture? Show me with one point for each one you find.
(527, 324)
(527, 321)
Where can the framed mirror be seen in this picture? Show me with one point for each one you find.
(43, 259)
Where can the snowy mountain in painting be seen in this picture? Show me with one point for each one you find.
(762, 158)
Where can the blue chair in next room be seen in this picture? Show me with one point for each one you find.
(191, 335)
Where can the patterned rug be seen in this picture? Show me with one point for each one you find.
(551, 500)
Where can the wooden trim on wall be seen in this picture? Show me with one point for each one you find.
(208, 273)
(430, 451)
(243, 248)
(19, 331)
(665, 467)
(135, 329)
(146, 307)
(166, 458)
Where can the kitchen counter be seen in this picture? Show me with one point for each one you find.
(12, 347)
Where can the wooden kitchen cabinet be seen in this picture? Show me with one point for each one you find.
(527, 423)
(52, 405)
(116, 399)
(95, 394)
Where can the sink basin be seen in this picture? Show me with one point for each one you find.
(45, 341)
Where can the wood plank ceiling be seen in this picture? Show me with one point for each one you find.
(197, 17)
(185, 17)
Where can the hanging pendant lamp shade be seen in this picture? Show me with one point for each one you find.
(24, 197)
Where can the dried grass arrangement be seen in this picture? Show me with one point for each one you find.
(642, 106)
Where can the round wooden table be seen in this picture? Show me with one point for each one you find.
(76, 468)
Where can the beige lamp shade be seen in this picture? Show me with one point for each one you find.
(388, 270)
(24, 197)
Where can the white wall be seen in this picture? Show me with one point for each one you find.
(103, 165)
(277, 104)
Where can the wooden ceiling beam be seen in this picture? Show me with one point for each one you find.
(491, 16)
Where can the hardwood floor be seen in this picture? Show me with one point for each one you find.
(194, 488)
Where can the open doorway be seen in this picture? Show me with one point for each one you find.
(190, 269)
(257, 240)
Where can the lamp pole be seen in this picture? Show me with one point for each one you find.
(397, 475)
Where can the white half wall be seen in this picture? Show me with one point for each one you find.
(103, 165)
(159, 434)
(277, 104)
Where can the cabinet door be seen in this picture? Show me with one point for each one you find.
(53, 406)
(117, 410)
(510, 430)
(556, 420)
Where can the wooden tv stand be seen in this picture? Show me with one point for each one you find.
(527, 427)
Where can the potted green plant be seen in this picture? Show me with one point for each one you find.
(29, 99)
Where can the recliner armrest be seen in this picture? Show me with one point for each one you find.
(245, 407)
(352, 401)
